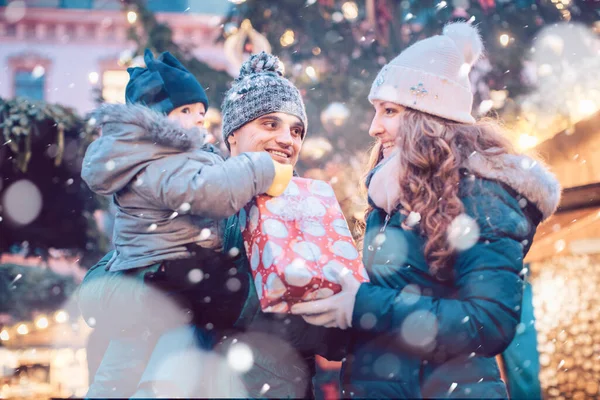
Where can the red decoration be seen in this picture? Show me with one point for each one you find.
(487, 5)
(295, 241)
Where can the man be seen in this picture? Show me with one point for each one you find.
(262, 111)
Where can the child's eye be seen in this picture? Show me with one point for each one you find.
(390, 111)
(185, 110)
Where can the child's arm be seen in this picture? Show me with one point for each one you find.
(201, 187)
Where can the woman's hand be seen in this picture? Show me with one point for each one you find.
(335, 311)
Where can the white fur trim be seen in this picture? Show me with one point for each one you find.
(156, 127)
(528, 177)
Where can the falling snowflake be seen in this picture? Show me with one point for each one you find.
(419, 329)
(195, 275)
(368, 321)
(15, 11)
(240, 357)
(452, 387)
(204, 234)
(233, 252)
(265, 388)
(410, 294)
(19, 276)
(22, 202)
(560, 245)
(233, 284)
(38, 71)
(413, 219)
(463, 232)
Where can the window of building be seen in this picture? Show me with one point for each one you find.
(114, 83)
(29, 84)
(76, 3)
(167, 5)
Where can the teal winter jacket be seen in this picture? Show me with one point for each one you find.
(419, 335)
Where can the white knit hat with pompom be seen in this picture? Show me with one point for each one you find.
(432, 75)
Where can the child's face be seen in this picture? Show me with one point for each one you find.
(189, 115)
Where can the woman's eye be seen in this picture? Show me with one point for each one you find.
(271, 124)
(390, 111)
(185, 110)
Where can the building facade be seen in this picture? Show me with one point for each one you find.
(72, 51)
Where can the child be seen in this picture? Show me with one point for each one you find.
(168, 184)
(171, 190)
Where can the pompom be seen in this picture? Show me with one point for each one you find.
(261, 62)
(467, 39)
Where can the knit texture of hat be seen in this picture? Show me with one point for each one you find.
(432, 75)
(163, 85)
(259, 90)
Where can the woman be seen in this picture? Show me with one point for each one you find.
(454, 211)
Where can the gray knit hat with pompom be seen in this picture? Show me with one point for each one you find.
(260, 89)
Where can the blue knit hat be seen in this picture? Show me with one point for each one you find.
(163, 85)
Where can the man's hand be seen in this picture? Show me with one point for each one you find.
(335, 311)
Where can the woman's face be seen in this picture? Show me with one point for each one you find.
(386, 124)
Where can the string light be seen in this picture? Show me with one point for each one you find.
(22, 329)
(288, 38)
(545, 70)
(41, 323)
(310, 71)
(316, 51)
(131, 17)
(4, 336)
(504, 39)
(587, 108)
(350, 10)
(61, 316)
(527, 141)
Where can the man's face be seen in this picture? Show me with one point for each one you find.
(278, 133)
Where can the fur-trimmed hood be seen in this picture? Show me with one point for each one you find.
(132, 136)
(528, 177)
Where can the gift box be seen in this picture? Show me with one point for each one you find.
(295, 241)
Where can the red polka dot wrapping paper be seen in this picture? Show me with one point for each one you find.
(295, 241)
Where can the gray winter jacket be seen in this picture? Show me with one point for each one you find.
(170, 187)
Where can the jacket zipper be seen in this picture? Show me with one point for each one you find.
(385, 223)
(370, 247)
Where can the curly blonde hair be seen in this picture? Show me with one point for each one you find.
(432, 151)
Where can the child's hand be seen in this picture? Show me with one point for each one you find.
(283, 176)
